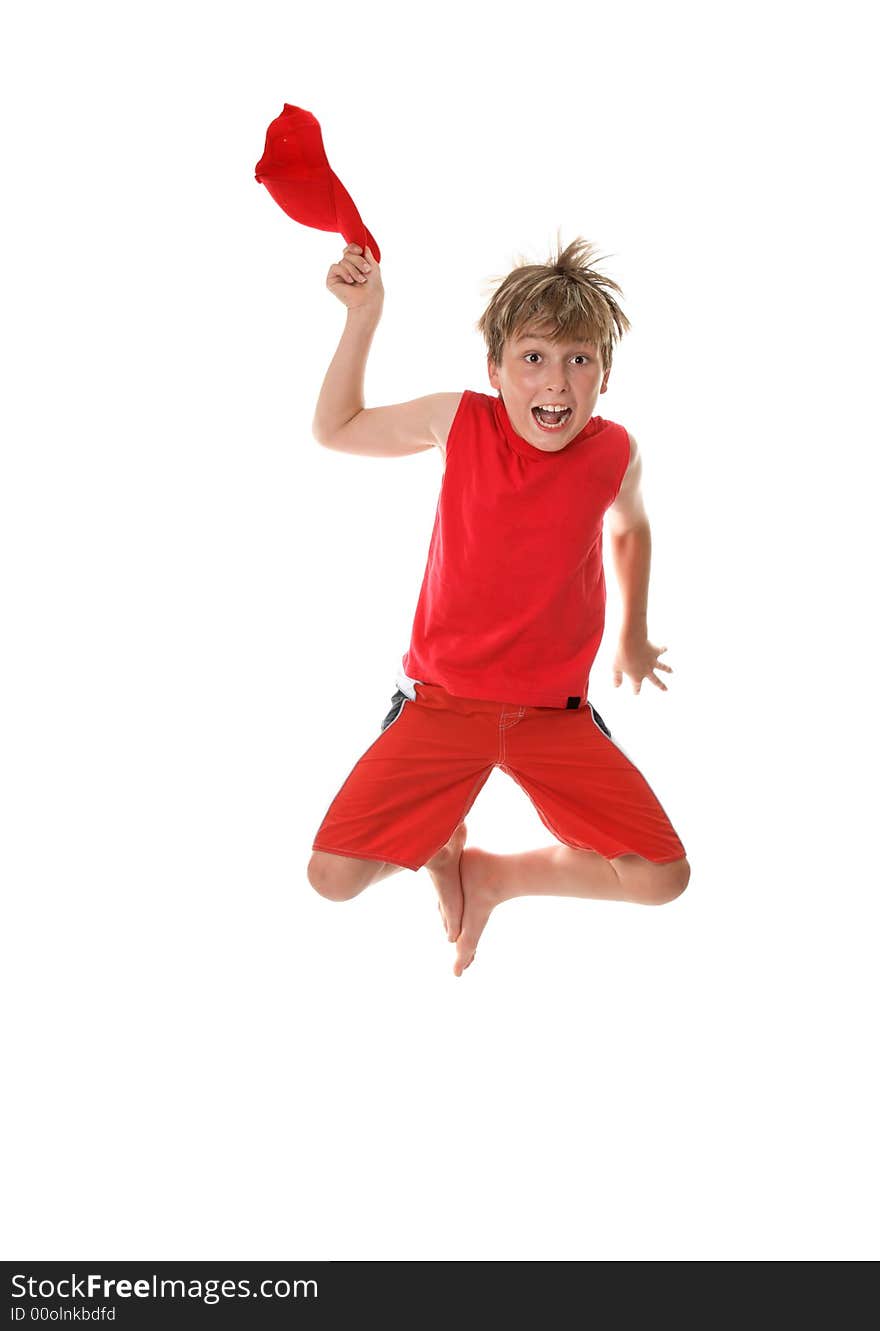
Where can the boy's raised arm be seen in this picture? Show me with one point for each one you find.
(341, 421)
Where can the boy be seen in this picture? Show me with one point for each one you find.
(510, 615)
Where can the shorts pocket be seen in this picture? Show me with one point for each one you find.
(599, 722)
(397, 700)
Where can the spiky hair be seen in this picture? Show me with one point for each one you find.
(567, 298)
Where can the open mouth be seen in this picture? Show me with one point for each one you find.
(551, 420)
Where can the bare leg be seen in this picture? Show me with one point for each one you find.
(560, 871)
(341, 877)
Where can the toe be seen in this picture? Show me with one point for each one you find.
(464, 954)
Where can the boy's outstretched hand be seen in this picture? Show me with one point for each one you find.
(638, 658)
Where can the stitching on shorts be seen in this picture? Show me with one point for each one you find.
(500, 738)
(505, 723)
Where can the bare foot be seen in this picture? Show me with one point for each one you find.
(444, 869)
(479, 884)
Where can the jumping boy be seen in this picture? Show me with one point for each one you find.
(510, 614)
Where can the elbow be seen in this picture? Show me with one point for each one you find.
(328, 436)
(619, 531)
(320, 436)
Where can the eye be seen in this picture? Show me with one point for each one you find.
(578, 355)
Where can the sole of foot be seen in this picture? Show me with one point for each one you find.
(444, 868)
(479, 886)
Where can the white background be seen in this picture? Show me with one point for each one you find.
(203, 612)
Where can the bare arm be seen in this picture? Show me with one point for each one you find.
(357, 282)
(631, 551)
(628, 509)
(630, 535)
(342, 392)
(341, 421)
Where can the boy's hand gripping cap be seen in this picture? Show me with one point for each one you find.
(295, 171)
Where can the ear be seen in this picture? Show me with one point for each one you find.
(493, 373)
(605, 380)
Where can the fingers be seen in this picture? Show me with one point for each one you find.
(353, 257)
(352, 267)
(637, 684)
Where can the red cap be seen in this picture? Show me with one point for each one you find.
(295, 171)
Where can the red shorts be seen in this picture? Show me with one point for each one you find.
(408, 792)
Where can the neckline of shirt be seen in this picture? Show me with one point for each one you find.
(527, 450)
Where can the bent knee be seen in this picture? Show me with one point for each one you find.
(336, 877)
(667, 881)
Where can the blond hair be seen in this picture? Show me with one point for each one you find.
(566, 297)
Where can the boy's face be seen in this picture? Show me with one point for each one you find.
(536, 372)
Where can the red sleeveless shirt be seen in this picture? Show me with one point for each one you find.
(512, 603)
